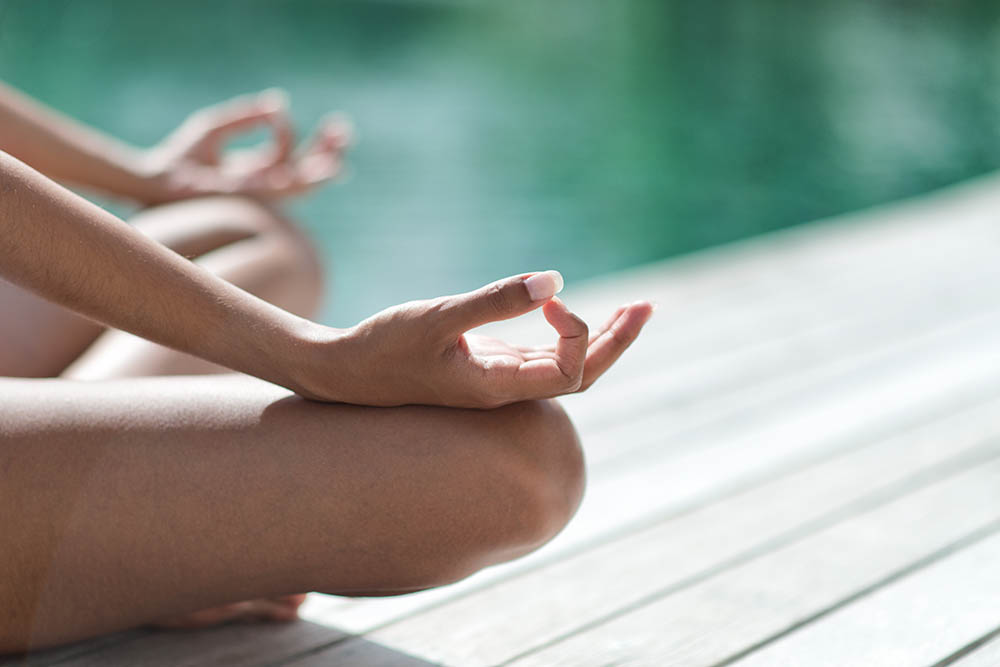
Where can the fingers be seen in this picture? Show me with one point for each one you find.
(546, 351)
(265, 172)
(607, 325)
(563, 371)
(322, 159)
(500, 300)
(318, 162)
(617, 335)
(607, 344)
(241, 114)
(571, 348)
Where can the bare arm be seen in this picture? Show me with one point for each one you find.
(80, 256)
(67, 150)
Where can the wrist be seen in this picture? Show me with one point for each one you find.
(149, 183)
(314, 361)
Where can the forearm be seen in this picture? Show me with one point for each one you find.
(67, 150)
(78, 255)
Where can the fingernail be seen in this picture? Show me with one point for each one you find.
(339, 123)
(544, 285)
(652, 304)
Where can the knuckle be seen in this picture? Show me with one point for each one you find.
(438, 314)
(572, 379)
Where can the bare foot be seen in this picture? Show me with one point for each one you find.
(284, 608)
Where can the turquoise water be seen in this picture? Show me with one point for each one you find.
(584, 135)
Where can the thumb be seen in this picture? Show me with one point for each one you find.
(502, 299)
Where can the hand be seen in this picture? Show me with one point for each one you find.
(192, 160)
(419, 352)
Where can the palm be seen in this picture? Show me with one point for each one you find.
(494, 354)
(504, 364)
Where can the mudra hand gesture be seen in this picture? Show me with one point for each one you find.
(420, 352)
(192, 160)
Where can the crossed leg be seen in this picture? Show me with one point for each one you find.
(142, 498)
(155, 497)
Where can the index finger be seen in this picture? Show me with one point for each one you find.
(563, 373)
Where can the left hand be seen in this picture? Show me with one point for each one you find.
(192, 160)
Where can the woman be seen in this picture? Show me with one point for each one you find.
(390, 457)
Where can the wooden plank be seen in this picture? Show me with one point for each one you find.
(681, 410)
(859, 248)
(978, 654)
(683, 550)
(360, 653)
(686, 335)
(661, 377)
(928, 380)
(60, 654)
(886, 238)
(913, 621)
(697, 334)
(234, 644)
(769, 595)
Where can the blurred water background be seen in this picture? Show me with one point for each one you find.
(583, 135)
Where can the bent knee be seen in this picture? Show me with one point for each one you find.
(268, 221)
(287, 269)
(495, 486)
(198, 226)
(543, 453)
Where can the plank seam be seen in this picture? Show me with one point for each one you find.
(971, 647)
(91, 647)
(867, 503)
(968, 540)
(295, 657)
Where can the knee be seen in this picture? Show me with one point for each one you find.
(196, 227)
(513, 481)
(303, 257)
(554, 473)
(292, 250)
(540, 454)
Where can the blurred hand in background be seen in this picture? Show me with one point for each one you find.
(193, 161)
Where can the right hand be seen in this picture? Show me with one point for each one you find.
(419, 352)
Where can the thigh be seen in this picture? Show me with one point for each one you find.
(41, 339)
(143, 498)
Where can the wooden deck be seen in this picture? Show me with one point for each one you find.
(797, 464)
